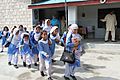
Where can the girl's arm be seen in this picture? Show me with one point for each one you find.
(40, 49)
(63, 38)
(68, 41)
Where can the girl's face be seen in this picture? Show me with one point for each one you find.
(26, 38)
(48, 22)
(55, 32)
(44, 35)
(38, 30)
(75, 31)
(75, 40)
(5, 29)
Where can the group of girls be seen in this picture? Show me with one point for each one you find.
(39, 45)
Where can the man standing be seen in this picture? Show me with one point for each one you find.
(111, 22)
(55, 22)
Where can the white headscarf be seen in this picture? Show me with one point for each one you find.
(25, 33)
(46, 27)
(15, 31)
(74, 26)
(53, 29)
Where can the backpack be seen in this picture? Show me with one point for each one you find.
(7, 43)
(29, 44)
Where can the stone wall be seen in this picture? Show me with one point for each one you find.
(15, 13)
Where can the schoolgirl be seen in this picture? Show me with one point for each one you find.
(26, 49)
(72, 46)
(13, 48)
(47, 26)
(35, 38)
(55, 38)
(45, 55)
(4, 35)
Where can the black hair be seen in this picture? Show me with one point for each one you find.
(69, 25)
(5, 28)
(13, 29)
(37, 26)
(34, 26)
(25, 28)
(15, 26)
(25, 35)
(21, 26)
(17, 32)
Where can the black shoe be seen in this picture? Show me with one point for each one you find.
(38, 59)
(113, 41)
(50, 78)
(66, 78)
(21, 57)
(53, 60)
(24, 64)
(29, 66)
(106, 41)
(35, 64)
(73, 77)
(1, 51)
(9, 63)
(42, 74)
(16, 66)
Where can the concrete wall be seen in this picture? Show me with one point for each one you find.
(91, 17)
(14, 13)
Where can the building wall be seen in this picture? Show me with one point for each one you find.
(15, 13)
(91, 17)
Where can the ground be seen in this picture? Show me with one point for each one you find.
(94, 66)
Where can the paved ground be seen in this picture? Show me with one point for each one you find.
(94, 66)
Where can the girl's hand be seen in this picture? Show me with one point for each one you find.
(77, 43)
(57, 40)
(49, 42)
(47, 56)
(21, 46)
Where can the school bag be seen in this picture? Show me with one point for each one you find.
(68, 57)
(7, 43)
(29, 44)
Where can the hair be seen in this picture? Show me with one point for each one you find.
(69, 25)
(34, 26)
(17, 32)
(42, 33)
(21, 26)
(15, 26)
(13, 29)
(38, 26)
(5, 28)
(25, 28)
(25, 36)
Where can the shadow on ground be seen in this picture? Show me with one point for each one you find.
(101, 78)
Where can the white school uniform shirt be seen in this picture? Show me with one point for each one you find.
(15, 40)
(55, 37)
